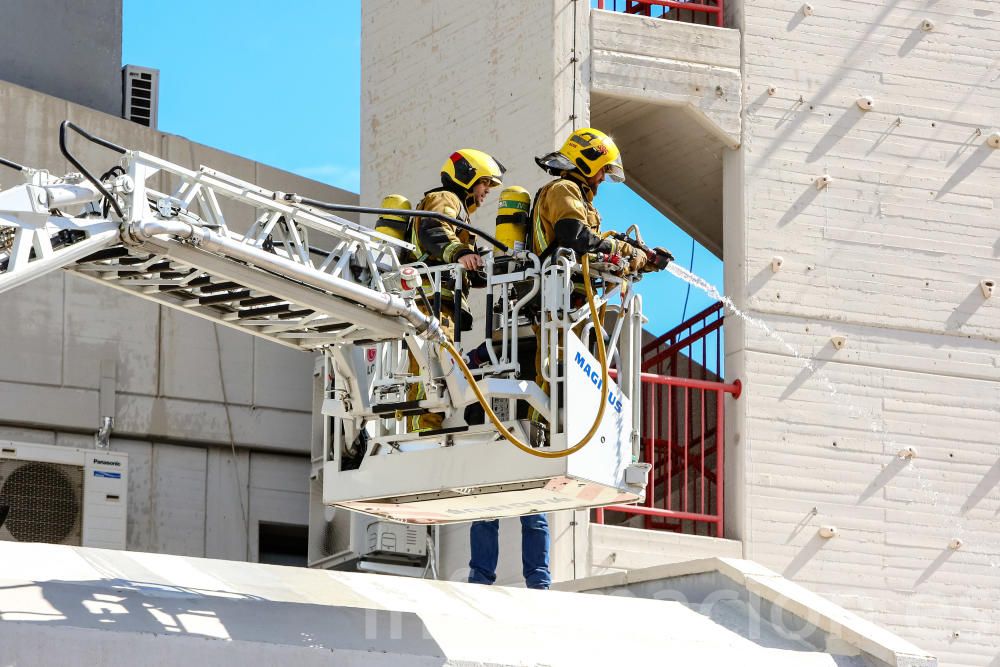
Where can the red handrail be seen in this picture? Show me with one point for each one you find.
(675, 349)
(686, 324)
(735, 387)
(645, 7)
(683, 342)
(687, 454)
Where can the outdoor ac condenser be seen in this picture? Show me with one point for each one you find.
(140, 95)
(377, 538)
(63, 495)
(343, 540)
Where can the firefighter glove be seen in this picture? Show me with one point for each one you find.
(637, 261)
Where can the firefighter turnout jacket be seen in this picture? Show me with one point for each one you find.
(437, 241)
(564, 216)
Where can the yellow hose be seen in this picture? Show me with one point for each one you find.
(602, 357)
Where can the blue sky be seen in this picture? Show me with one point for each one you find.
(283, 87)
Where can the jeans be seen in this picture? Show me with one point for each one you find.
(484, 537)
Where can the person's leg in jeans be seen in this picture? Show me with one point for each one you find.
(484, 540)
(535, 551)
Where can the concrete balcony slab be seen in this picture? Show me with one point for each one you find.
(670, 94)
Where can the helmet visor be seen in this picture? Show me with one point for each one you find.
(496, 178)
(614, 170)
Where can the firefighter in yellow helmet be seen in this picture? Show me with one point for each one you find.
(467, 177)
(564, 216)
(564, 213)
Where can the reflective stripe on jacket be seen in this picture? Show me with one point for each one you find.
(440, 242)
(562, 199)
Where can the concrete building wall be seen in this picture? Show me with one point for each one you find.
(889, 256)
(186, 393)
(497, 76)
(71, 50)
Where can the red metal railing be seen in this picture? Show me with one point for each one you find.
(683, 437)
(677, 352)
(686, 11)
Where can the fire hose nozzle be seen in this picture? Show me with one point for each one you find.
(659, 258)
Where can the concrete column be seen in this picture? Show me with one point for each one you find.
(497, 76)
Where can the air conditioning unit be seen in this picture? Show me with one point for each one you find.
(140, 94)
(388, 547)
(63, 495)
(343, 540)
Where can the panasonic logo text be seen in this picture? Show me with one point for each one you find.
(105, 462)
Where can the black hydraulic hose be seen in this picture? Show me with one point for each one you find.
(457, 294)
(83, 170)
(489, 317)
(423, 299)
(13, 165)
(90, 137)
(347, 208)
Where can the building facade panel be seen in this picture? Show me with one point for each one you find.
(888, 258)
(171, 412)
(69, 50)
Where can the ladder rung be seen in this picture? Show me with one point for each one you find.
(107, 253)
(218, 287)
(333, 327)
(296, 313)
(174, 288)
(222, 298)
(269, 310)
(261, 301)
(162, 267)
(155, 268)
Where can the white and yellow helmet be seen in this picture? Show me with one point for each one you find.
(587, 150)
(466, 166)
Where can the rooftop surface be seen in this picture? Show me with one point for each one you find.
(69, 605)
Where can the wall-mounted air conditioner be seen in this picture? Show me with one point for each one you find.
(343, 540)
(63, 495)
(140, 94)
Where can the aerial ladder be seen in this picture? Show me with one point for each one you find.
(305, 278)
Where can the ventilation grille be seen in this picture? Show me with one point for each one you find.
(140, 94)
(45, 502)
